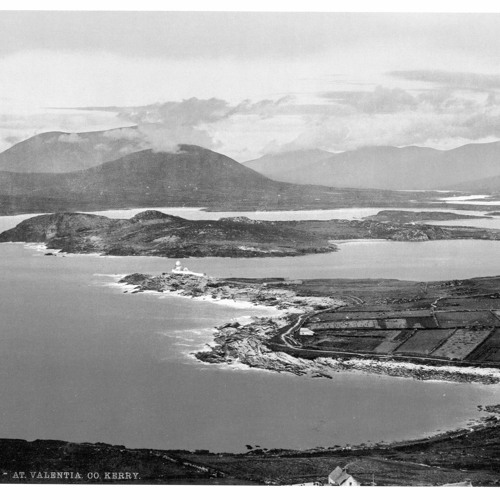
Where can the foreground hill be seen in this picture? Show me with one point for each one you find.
(64, 152)
(390, 167)
(192, 177)
(468, 455)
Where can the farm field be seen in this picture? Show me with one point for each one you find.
(355, 344)
(469, 303)
(424, 341)
(393, 339)
(461, 343)
(448, 319)
(455, 322)
(345, 315)
(489, 351)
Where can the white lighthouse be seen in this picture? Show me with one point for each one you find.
(179, 269)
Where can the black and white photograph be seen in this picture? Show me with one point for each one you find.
(249, 248)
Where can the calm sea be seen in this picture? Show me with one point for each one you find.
(82, 361)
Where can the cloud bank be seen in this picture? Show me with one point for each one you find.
(453, 109)
(453, 79)
(443, 116)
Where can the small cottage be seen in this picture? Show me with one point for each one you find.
(340, 477)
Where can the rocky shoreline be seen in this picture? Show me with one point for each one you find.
(251, 344)
(247, 344)
(259, 292)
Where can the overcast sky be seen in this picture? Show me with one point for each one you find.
(245, 84)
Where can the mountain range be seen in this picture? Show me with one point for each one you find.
(472, 167)
(90, 171)
(385, 167)
(193, 176)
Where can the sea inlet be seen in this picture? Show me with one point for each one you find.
(82, 361)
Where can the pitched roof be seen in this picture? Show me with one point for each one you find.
(338, 475)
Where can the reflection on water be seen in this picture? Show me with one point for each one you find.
(451, 199)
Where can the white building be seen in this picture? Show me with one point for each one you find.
(179, 269)
(340, 477)
(307, 332)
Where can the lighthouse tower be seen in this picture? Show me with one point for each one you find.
(179, 269)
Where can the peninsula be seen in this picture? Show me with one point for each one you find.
(447, 330)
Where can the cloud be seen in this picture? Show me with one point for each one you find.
(442, 117)
(189, 112)
(163, 126)
(102, 147)
(160, 138)
(453, 79)
(16, 127)
(381, 100)
(337, 121)
(122, 134)
(71, 138)
(12, 139)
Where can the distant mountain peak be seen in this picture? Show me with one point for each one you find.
(58, 152)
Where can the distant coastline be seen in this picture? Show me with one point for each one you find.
(157, 234)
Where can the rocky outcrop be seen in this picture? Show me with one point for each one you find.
(257, 292)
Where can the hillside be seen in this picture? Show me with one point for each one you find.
(193, 174)
(193, 177)
(393, 168)
(64, 152)
(488, 185)
(276, 166)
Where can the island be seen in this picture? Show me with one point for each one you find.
(406, 216)
(155, 233)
